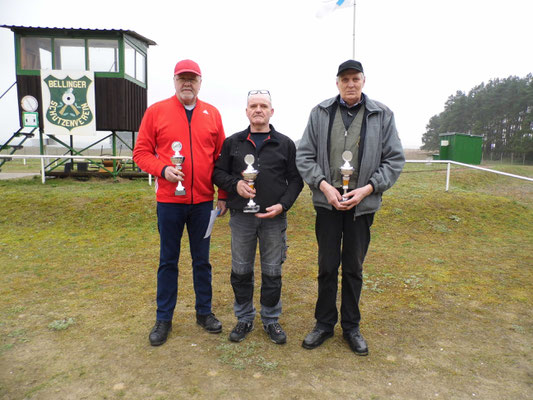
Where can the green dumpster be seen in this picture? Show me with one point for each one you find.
(461, 147)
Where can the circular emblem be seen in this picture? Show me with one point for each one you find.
(347, 156)
(29, 103)
(176, 146)
(68, 98)
(249, 159)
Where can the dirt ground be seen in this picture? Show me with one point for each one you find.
(447, 302)
(415, 353)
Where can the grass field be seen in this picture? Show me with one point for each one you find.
(447, 303)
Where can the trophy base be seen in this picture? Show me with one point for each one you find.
(251, 209)
(179, 192)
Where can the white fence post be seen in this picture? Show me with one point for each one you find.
(43, 178)
(448, 176)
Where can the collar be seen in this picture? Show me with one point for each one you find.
(272, 134)
(370, 105)
(343, 103)
(197, 103)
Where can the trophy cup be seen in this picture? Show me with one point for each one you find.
(177, 159)
(249, 175)
(346, 172)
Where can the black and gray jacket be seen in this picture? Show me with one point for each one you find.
(278, 180)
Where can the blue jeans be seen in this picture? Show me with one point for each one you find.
(171, 219)
(246, 230)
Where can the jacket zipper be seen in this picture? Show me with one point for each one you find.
(192, 164)
(345, 138)
(359, 163)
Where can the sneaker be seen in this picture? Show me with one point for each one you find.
(240, 331)
(209, 322)
(275, 332)
(159, 332)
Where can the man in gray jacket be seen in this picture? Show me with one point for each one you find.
(350, 122)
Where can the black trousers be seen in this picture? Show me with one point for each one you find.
(341, 239)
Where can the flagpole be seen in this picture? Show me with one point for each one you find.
(353, 53)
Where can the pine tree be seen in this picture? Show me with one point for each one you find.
(500, 110)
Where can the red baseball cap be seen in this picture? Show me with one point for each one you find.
(187, 66)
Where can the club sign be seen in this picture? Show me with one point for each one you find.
(68, 97)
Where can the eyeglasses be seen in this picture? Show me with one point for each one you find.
(252, 92)
(187, 80)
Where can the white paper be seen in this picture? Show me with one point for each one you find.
(212, 219)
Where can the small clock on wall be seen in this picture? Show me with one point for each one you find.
(29, 103)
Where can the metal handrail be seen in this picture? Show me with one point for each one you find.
(449, 162)
(42, 157)
(3, 94)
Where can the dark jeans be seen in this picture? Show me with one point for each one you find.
(171, 219)
(341, 239)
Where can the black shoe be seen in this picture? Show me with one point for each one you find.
(240, 331)
(159, 332)
(357, 342)
(209, 322)
(275, 332)
(315, 338)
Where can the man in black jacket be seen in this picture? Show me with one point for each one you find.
(276, 187)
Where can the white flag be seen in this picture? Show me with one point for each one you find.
(329, 6)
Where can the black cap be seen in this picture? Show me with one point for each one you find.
(350, 64)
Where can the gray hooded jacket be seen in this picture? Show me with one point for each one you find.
(381, 155)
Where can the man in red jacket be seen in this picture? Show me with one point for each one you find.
(183, 128)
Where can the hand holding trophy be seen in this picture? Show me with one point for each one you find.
(249, 175)
(346, 172)
(177, 159)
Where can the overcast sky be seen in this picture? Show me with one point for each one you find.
(416, 53)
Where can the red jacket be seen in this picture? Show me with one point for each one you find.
(166, 122)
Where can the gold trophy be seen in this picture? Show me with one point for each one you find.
(346, 172)
(177, 159)
(249, 175)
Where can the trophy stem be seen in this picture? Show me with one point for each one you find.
(251, 207)
(178, 160)
(249, 175)
(346, 172)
